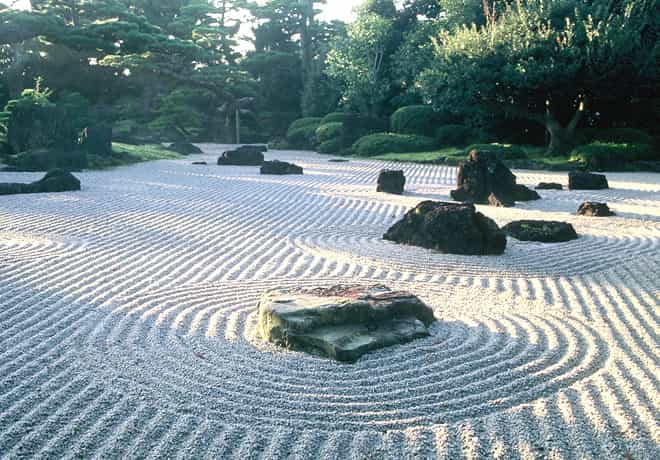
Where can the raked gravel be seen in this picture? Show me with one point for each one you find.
(127, 320)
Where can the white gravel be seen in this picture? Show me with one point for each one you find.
(127, 320)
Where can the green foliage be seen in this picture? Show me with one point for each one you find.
(44, 160)
(613, 156)
(454, 135)
(330, 146)
(329, 131)
(380, 143)
(617, 136)
(334, 117)
(357, 126)
(414, 119)
(123, 154)
(504, 151)
(302, 133)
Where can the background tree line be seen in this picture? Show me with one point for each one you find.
(449, 72)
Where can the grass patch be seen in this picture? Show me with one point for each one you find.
(422, 157)
(126, 154)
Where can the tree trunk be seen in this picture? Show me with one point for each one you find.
(562, 138)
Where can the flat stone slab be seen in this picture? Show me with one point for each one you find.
(544, 231)
(341, 322)
(242, 157)
(549, 186)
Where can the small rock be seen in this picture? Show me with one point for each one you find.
(549, 186)
(391, 181)
(200, 163)
(450, 228)
(280, 168)
(543, 231)
(341, 322)
(594, 209)
(338, 160)
(578, 180)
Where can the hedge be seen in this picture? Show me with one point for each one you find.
(380, 143)
(504, 151)
(304, 122)
(613, 156)
(414, 119)
(454, 135)
(302, 133)
(616, 136)
(335, 117)
(330, 146)
(357, 126)
(329, 131)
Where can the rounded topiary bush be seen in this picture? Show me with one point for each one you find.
(380, 143)
(613, 156)
(336, 117)
(329, 146)
(504, 151)
(454, 135)
(414, 119)
(357, 126)
(302, 133)
(329, 131)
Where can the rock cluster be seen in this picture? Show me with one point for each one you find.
(543, 231)
(450, 228)
(391, 181)
(484, 179)
(594, 209)
(280, 168)
(341, 322)
(579, 180)
(56, 180)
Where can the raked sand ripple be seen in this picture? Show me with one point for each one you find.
(127, 321)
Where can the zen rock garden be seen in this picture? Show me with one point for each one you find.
(342, 322)
(56, 180)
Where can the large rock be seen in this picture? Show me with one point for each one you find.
(341, 322)
(449, 228)
(594, 209)
(56, 180)
(391, 181)
(544, 231)
(484, 179)
(244, 157)
(185, 148)
(280, 168)
(578, 180)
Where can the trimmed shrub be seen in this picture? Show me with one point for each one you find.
(612, 156)
(504, 151)
(414, 119)
(616, 136)
(304, 122)
(302, 133)
(330, 146)
(329, 131)
(454, 135)
(44, 160)
(336, 117)
(380, 143)
(357, 126)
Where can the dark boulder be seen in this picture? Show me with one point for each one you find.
(200, 163)
(594, 209)
(578, 180)
(97, 140)
(241, 158)
(338, 160)
(500, 200)
(341, 322)
(185, 148)
(391, 181)
(483, 175)
(543, 231)
(549, 186)
(450, 228)
(56, 180)
(280, 168)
